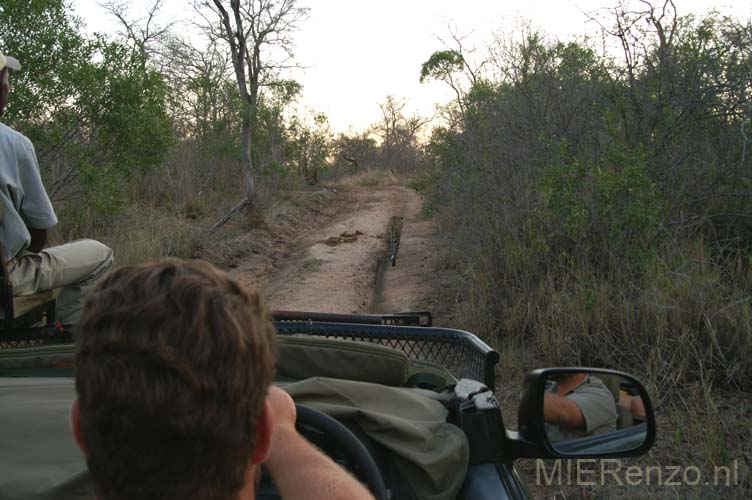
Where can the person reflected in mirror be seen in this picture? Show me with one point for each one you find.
(174, 363)
(634, 405)
(577, 404)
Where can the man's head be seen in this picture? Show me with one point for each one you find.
(6, 63)
(173, 364)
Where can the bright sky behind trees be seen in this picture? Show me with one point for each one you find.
(355, 52)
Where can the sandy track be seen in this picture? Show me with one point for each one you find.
(339, 264)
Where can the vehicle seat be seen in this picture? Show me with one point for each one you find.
(25, 303)
(23, 311)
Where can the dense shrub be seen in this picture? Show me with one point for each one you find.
(602, 207)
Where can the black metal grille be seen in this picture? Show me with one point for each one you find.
(34, 337)
(412, 318)
(462, 353)
(13, 344)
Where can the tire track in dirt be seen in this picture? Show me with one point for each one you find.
(404, 287)
(338, 265)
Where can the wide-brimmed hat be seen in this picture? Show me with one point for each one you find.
(9, 62)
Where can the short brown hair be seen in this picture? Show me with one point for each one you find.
(173, 363)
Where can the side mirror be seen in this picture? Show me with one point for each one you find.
(584, 412)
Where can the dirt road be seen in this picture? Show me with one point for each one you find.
(338, 262)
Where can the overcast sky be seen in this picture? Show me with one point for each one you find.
(358, 51)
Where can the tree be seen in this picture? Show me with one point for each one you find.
(392, 117)
(93, 110)
(357, 150)
(399, 134)
(442, 66)
(273, 139)
(451, 66)
(47, 41)
(142, 32)
(313, 145)
(255, 31)
(204, 97)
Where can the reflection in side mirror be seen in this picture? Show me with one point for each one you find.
(593, 412)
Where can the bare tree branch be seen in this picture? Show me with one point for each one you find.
(143, 32)
(252, 29)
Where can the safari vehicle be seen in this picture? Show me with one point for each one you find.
(468, 454)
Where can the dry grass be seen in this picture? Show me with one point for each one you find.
(681, 321)
(168, 211)
(682, 325)
(139, 234)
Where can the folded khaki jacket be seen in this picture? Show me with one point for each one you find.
(304, 356)
(411, 423)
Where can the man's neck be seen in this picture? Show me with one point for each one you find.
(249, 488)
(567, 384)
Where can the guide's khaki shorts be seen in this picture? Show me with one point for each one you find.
(73, 268)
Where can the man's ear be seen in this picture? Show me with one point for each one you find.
(75, 418)
(264, 432)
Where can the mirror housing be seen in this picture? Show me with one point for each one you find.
(532, 441)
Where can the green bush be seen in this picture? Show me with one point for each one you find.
(606, 204)
(600, 210)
